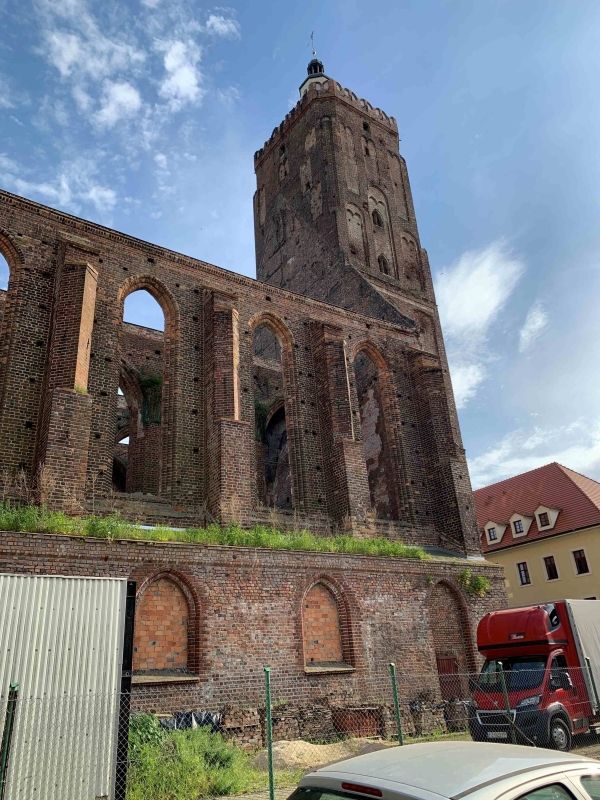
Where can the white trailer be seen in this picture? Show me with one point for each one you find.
(66, 644)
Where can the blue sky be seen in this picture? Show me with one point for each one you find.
(144, 115)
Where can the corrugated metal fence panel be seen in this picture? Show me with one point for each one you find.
(61, 640)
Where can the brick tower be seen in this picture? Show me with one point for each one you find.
(334, 217)
(335, 221)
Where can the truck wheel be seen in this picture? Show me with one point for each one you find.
(559, 735)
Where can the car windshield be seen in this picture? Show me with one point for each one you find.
(520, 673)
(306, 793)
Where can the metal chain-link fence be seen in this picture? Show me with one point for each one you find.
(166, 741)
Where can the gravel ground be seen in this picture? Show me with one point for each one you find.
(588, 746)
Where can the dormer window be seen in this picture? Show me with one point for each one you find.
(494, 531)
(546, 517)
(520, 524)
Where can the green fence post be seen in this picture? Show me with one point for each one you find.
(269, 731)
(396, 703)
(9, 722)
(507, 702)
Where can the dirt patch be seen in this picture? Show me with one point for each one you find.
(298, 754)
(589, 747)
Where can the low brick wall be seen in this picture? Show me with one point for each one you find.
(245, 611)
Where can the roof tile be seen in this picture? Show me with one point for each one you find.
(576, 496)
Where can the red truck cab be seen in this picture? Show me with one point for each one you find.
(537, 684)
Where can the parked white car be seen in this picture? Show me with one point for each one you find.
(456, 771)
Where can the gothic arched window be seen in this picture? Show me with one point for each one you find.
(377, 219)
(384, 267)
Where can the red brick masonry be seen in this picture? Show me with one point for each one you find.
(245, 608)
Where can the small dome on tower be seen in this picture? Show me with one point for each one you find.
(316, 74)
(315, 67)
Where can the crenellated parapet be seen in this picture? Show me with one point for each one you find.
(322, 91)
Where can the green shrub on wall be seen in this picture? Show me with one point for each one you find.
(474, 585)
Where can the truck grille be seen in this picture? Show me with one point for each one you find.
(495, 717)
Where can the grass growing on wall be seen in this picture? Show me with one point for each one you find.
(190, 764)
(34, 519)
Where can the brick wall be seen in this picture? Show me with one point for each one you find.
(245, 610)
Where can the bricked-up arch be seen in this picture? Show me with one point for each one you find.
(325, 627)
(148, 383)
(166, 626)
(356, 234)
(452, 639)
(374, 401)
(273, 471)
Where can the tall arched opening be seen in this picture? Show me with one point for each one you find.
(4, 274)
(273, 469)
(452, 640)
(375, 439)
(144, 405)
(10, 260)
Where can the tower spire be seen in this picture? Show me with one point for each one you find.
(315, 69)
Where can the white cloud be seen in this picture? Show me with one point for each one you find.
(11, 96)
(182, 83)
(160, 160)
(65, 51)
(75, 183)
(466, 379)
(120, 101)
(89, 53)
(103, 198)
(471, 294)
(534, 325)
(576, 445)
(219, 25)
(7, 164)
(82, 98)
(8, 98)
(150, 3)
(473, 291)
(228, 96)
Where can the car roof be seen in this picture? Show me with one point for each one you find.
(446, 769)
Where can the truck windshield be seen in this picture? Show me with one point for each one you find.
(520, 673)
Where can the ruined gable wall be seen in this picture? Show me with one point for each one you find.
(208, 453)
